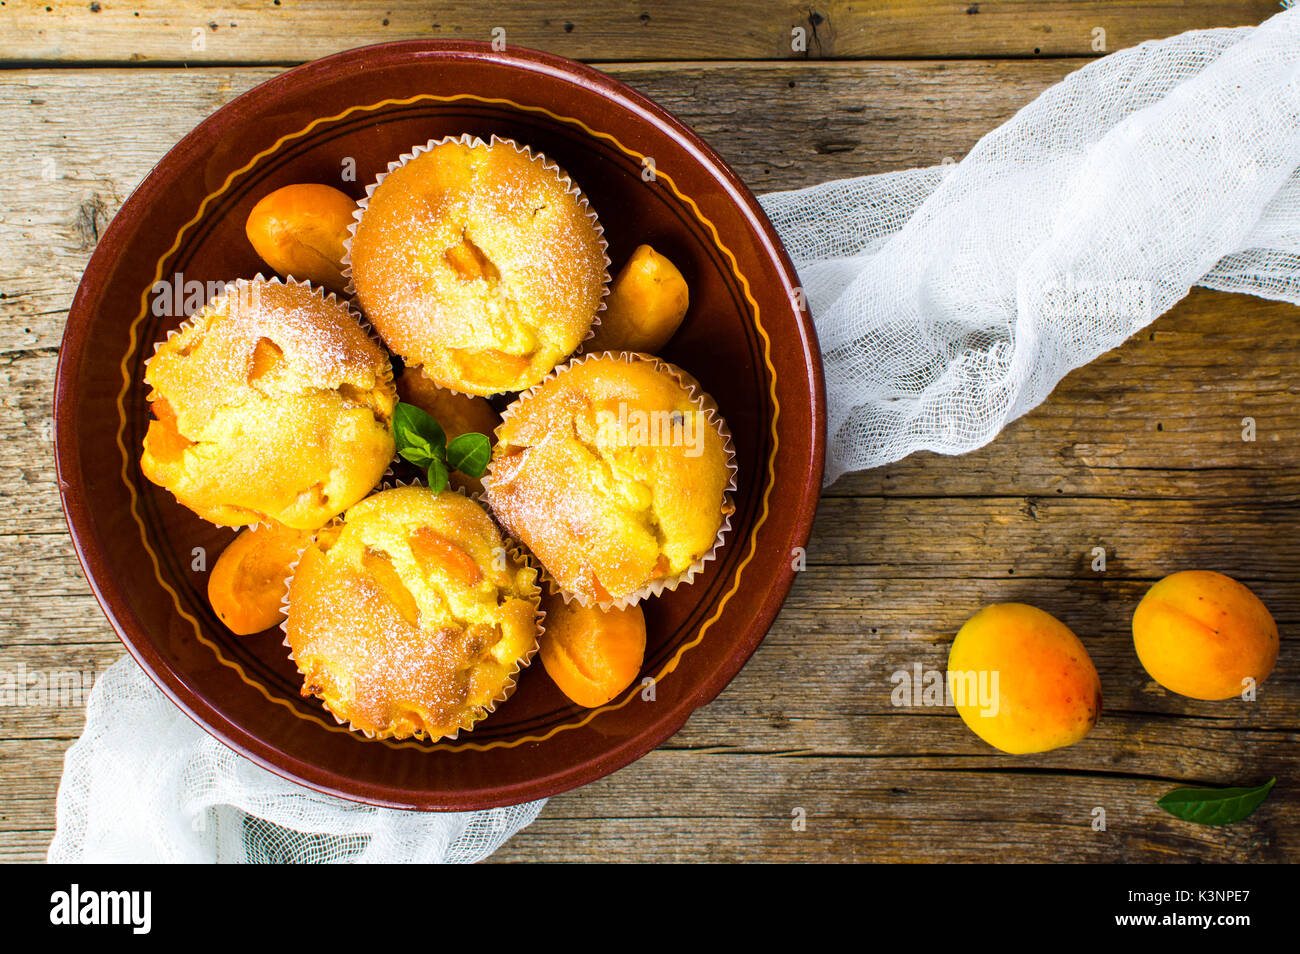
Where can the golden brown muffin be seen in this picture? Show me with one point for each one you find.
(410, 618)
(479, 262)
(457, 414)
(272, 404)
(615, 475)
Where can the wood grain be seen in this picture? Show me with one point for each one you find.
(1140, 453)
(293, 31)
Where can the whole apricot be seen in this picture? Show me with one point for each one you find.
(645, 307)
(247, 583)
(590, 653)
(1203, 635)
(1022, 681)
(299, 230)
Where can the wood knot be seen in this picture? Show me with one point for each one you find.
(92, 217)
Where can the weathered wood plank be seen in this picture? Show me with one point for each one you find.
(976, 541)
(293, 31)
(884, 811)
(26, 847)
(885, 538)
(869, 810)
(914, 809)
(833, 653)
(1055, 537)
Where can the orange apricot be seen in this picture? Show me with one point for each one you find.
(1022, 681)
(1204, 635)
(592, 654)
(299, 230)
(247, 582)
(645, 307)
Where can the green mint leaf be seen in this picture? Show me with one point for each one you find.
(437, 475)
(1215, 806)
(420, 439)
(418, 452)
(470, 454)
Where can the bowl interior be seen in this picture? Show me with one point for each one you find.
(182, 235)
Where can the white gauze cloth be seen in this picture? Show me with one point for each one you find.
(948, 301)
(951, 300)
(145, 784)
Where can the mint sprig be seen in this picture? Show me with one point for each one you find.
(422, 441)
(1215, 806)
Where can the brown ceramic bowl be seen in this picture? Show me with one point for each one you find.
(745, 338)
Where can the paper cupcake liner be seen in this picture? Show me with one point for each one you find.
(478, 713)
(239, 285)
(472, 141)
(713, 415)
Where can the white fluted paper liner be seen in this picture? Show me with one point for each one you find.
(471, 141)
(712, 414)
(474, 715)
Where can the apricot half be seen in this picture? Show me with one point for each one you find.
(592, 654)
(1022, 681)
(300, 231)
(247, 583)
(1204, 635)
(646, 305)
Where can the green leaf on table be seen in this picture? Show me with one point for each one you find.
(437, 475)
(469, 454)
(420, 439)
(1215, 806)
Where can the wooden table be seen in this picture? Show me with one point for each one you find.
(1140, 453)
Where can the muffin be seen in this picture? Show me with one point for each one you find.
(616, 473)
(271, 405)
(480, 262)
(457, 414)
(410, 618)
